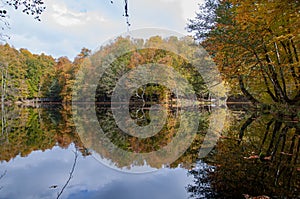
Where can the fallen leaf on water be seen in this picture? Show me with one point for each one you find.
(261, 197)
(283, 153)
(268, 158)
(247, 196)
(252, 157)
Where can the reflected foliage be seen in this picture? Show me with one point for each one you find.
(258, 156)
(24, 130)
(121, 148)
(133, 144)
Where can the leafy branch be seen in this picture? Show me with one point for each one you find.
(29, 7)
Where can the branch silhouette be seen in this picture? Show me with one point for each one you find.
(70, 176)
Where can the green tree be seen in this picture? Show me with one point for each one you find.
(13, 74)
(24, 75)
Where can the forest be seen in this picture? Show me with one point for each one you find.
(255, 45)
(252, 142)
(27, 77)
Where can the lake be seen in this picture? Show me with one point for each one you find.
(44, 154)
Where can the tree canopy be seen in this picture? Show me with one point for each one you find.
(26, 76)
(255, 45)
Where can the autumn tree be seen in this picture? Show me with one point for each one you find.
(60, 91)
(62, 82)
(255, 45)
(124, 54)
(28, 77)
(24, 75)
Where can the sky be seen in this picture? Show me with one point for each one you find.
(69, 25)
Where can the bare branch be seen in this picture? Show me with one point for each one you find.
(70, 176)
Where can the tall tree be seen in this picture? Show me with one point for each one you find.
(255, 44)
(13, 74)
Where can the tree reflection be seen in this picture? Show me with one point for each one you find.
(59, 194)
(258, 156)
(1, 176)
(29, 129)
(201, 187)
(137, 145)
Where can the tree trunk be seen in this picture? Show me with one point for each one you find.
(246, 92)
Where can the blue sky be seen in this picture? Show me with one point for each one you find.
(69, 25)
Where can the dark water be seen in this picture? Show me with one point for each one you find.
(43, 156)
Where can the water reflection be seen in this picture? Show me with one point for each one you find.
(37, 175)
(37, 156)
(258, 155)
(175, 144)
(29, 129)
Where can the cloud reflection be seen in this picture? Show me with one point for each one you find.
(31, 177)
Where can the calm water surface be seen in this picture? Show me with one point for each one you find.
(42, 156)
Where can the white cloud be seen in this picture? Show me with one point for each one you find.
(67, 17)
(68, 25)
